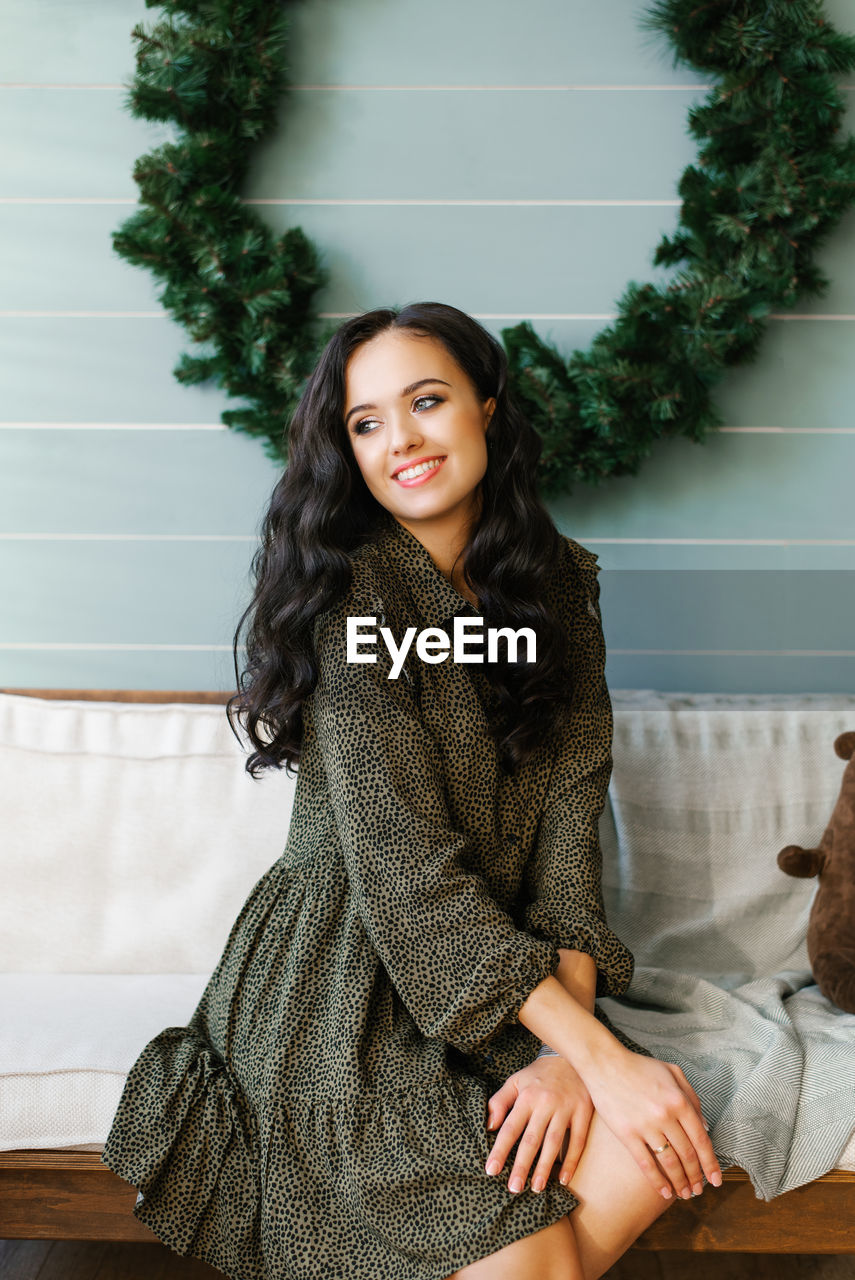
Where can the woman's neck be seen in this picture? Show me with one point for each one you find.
(444, 542)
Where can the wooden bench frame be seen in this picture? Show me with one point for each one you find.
(71, 1195)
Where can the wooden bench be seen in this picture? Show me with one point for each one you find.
(70, 1195)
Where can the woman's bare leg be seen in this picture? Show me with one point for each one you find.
(616, 1203)
(548, 1254)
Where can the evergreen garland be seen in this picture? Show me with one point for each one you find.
(769, 186)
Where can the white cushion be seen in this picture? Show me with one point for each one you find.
(131, 835)
(67, 1043)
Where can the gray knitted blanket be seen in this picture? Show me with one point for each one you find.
(705, 790)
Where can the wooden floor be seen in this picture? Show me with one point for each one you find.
(82, 1260)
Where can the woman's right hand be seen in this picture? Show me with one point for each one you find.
(647, 1103)
(546, 1108)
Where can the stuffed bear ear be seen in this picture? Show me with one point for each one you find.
(844, 744)
(801, 862)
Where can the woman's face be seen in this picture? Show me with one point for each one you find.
(392, 423)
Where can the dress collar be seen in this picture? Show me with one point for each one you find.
(435, 599)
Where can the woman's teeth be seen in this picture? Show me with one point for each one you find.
(412, 472)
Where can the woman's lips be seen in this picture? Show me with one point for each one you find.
(420, 479)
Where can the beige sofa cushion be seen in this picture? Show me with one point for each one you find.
(131, 835)
(67, 1043)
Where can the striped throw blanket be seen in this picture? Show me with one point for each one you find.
(706, 788)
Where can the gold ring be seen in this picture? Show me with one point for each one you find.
(658, 1149)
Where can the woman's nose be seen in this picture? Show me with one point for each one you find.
(402, 430)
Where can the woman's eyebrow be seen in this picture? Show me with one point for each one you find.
(406, 392)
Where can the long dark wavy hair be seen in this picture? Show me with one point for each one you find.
(321, 510)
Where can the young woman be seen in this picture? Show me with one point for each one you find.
(359, 1091)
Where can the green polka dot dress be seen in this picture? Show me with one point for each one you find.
(324, 1111)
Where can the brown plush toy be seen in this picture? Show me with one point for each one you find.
(831, 929)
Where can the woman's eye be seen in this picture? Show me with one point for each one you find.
(363, 422)
(357, 430)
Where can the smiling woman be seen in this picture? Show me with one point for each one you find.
(436, 915)
(433, 447)
(395, 391)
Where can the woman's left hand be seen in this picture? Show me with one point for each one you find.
(537, 1105)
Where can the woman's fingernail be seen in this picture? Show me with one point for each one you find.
(515, 1184)
(666, 1193)
(492, 1167)
(538, 1184)
(716, 1179)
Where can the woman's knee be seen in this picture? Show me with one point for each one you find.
(616, 1201)
(616, 1204)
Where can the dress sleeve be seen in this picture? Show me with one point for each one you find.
(459, 963)
(562, 877)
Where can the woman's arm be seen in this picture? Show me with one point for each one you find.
(645, 1102)
(458, 960)
(563, 1022)
(577, 973)
(562, 877)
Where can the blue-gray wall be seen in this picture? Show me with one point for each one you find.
(517, 160)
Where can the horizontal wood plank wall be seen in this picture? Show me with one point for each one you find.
(519, 162)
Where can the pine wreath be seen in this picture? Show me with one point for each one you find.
(770, 184)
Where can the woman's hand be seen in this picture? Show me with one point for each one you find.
(540, 1102)
(648, 1104)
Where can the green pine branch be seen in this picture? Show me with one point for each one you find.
(771, 181)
